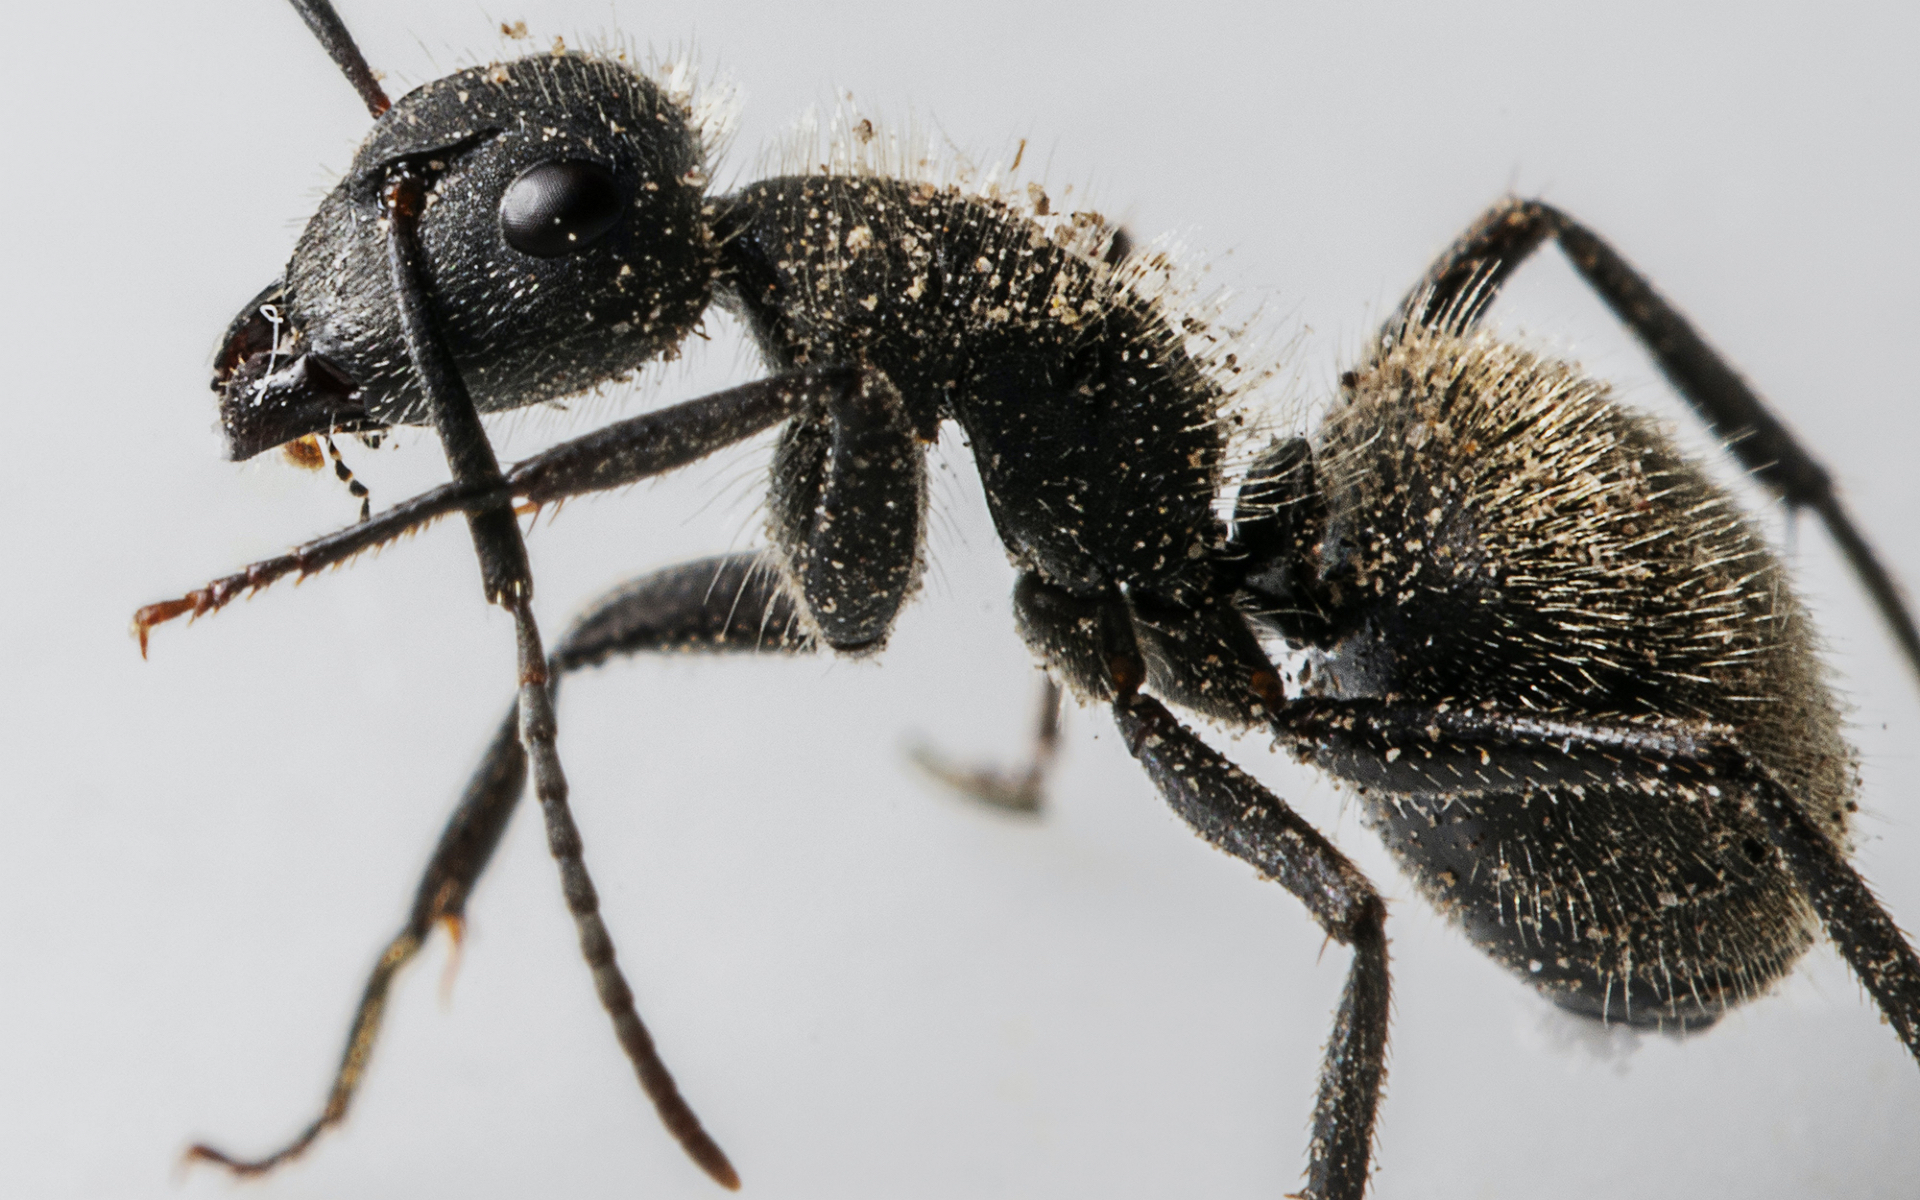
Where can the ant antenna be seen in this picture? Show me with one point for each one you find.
(332, 32)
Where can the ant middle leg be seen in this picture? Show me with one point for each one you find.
(732, 604)
(1467, 277)
(1019, 789)
(1110, 647)
(1228, 808)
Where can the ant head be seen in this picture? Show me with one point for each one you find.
(566, 238)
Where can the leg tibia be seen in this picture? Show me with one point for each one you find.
(1231, 810)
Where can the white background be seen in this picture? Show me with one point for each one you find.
(866, 987)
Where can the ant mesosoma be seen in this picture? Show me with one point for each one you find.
(1563, 672)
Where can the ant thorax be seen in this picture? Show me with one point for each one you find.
(1097, 393)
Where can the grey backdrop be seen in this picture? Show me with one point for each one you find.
(866, 987)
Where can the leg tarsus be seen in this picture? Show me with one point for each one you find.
(1021, 790)
(465, 847)
(346, 1080)
(332, 550)
(622, 453)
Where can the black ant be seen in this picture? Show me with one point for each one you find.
(1561, 669)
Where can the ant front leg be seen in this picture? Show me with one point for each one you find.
(729, 604)
(1467, 277)
(847, 510)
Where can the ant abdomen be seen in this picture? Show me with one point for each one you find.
(1500, 534)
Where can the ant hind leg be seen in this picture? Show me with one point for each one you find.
(1465, 280)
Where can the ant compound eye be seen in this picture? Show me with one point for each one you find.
(557, 208)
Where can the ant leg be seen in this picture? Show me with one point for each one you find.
(1229, 809)
(622, 453)
(1860, 926)
(1105, 652)
(462, 854)
(847, 509)
(1465, 280)
(731, 603)
(1418, 751)
(1020, 790)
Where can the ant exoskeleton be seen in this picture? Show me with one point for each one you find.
(1562, 670)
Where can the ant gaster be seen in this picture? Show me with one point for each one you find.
(1564, 674)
